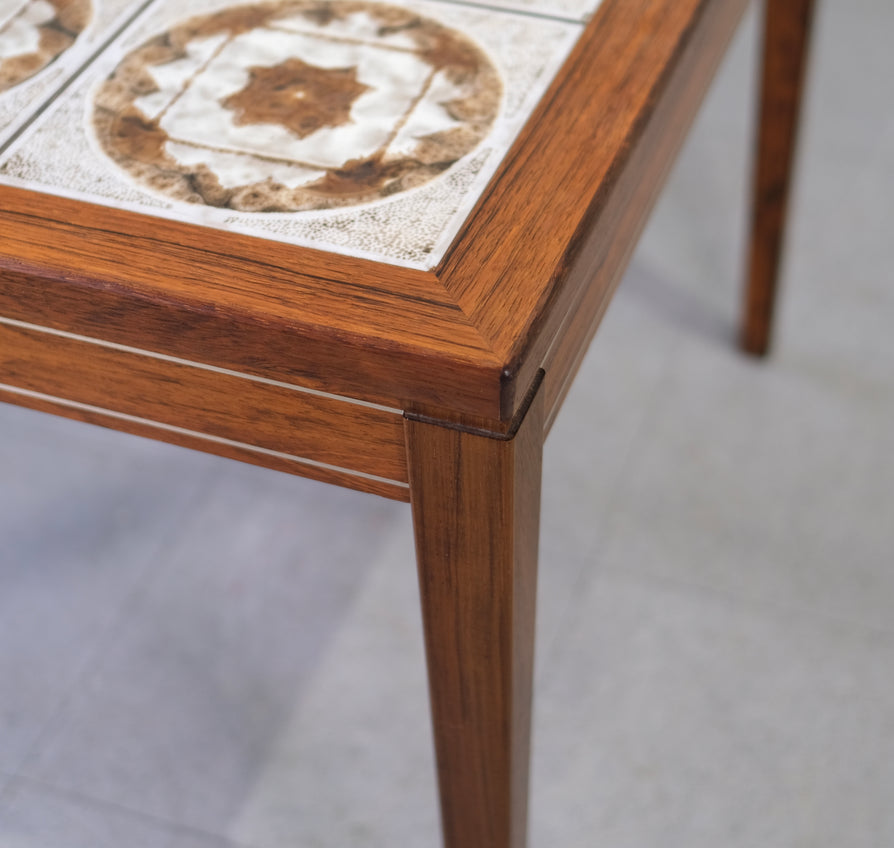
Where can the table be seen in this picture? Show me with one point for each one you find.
(366, 243)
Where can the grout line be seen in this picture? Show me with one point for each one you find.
(528, 13)
(12, 322)
(192, 78)
(235, 151)
(310, 32)
(220, 440)
(395, 130)
(77, 73)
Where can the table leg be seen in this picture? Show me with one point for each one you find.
(786, 36)
(476, 512)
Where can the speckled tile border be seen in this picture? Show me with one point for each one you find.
(405, 113)
(44, 43)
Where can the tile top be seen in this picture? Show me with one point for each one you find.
(43, 43)
(285, 107)
(365, 128)
(35, 32)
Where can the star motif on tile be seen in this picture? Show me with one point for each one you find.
(301, 97)
(296, 105)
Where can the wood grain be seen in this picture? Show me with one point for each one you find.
(231, 410)
(563, 215)
(52, 406)
(787, 25)
(604, 253)
(338, 324)
(467, 338)
(520, 292)
(476, 511)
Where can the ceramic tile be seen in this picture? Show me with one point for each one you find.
(43, 44)
(363, 128)
(572, 10)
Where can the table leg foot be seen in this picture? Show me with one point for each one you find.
(786, 36)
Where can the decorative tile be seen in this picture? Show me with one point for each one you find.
(35, 33)
(43, 43)
(569, 10)
(288, 106)
(365, 128)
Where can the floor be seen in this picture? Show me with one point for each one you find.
(198, 654)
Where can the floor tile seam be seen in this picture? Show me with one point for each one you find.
(92, 662)
(763, 606)
(86, 800)
(586, 573)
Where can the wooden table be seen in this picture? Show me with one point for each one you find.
(369, 244)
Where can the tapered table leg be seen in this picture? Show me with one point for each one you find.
(786, 35)
(476, 510)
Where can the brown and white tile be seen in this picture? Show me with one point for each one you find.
(43, 43)
(569, 10)
(362, 127)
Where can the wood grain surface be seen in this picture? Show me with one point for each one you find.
(437, 386)
(327, 322)
(197, 441)
(564, 213)
(602, 258)
(787, 26)
(556, 223)
(219, 412)
(476, 513)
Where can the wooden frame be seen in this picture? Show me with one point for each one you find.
(436, 387)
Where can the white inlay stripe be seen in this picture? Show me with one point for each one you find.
(86, 407)
(12, 322)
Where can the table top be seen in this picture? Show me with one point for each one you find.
(402, 203)
(362, 128)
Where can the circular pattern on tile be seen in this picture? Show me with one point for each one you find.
(33, 33)
(297, 104)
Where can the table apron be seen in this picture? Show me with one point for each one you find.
(267, 423)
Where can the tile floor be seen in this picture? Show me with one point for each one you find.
(197, 654)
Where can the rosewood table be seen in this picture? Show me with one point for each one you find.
(368, 243)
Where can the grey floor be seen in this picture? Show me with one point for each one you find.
(195, 653)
